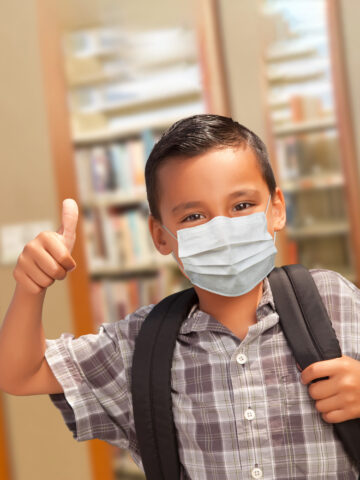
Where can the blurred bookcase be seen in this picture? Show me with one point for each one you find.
(110, 93)
(309, 124)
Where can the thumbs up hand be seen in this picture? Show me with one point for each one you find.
(67, 230)
(47, 257)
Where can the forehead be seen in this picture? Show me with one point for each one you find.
(215, 171)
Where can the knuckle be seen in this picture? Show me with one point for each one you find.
(28, 249)
(325, 417)
(20, 263)
(63, 257)
(62, 274)
(347, 384)
(310, 371)
(45, 234)
(49, 282)
(42, 237)
(58, 272)
(312, 390)
(346, 361)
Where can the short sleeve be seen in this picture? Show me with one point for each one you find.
(94, 371)
(342, 301)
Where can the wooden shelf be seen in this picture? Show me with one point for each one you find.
(135, 123)
(318, 230)
(290, 53)
(288, 77)
(313, 182)
(108, 199)
(92, 79)
(186, 93)
(284, 51)
(308, 126)
(97, 53)
(143, 267)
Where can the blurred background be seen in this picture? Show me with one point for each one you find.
(87, 87)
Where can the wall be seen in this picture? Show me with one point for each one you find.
(41, 446)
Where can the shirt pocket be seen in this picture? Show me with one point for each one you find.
(294, 392)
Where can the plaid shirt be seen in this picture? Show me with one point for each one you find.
(240, 409)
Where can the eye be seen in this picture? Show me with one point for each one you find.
(192, 218)
(242, 206)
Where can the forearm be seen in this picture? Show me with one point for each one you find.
(22, 338)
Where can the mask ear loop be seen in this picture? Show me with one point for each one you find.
(175, 238)
(267, 206)
(172, 253)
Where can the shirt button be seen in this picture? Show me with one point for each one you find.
(250, 415)
(256, 473)
(241, 358)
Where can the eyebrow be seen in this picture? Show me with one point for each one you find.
(186, 205)
(244, 193)
(198, 203)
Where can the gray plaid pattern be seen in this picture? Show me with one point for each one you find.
(212, 392)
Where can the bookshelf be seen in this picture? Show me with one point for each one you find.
(311, 136)
(101, 124)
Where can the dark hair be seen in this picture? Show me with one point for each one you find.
(195, 135)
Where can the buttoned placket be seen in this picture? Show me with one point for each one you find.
(244, 364)
(244, 367)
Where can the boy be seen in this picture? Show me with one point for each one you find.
(241, 407)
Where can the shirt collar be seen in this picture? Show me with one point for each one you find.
(197, 320)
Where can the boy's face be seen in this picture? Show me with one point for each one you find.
(225, 182)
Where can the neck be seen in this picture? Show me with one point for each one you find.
(236, 313)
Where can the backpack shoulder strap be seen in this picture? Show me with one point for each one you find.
(151, 385)
(309, 332)
(303, 316)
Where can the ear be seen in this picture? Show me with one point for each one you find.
(278, 210)
(159, 236)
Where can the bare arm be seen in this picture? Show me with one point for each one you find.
(22, 342)
(23, 367)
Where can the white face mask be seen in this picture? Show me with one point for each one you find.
(227, 255)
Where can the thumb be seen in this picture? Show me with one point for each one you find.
(70, 214)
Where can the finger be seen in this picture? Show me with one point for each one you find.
(56, 248)
(47, 264)
(336, 416)
(329, 404)
(325, 368)
(39, 277)
(70, 214)
(323, 389)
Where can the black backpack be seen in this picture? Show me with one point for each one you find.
(306, 326)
